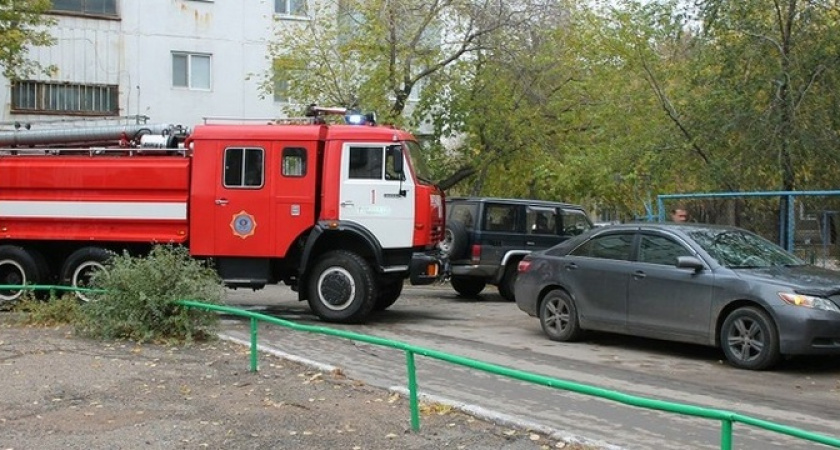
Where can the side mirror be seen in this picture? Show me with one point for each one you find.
(690, 262)
(396, 158)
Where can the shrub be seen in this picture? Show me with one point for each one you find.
(54, 311)
(139, 295)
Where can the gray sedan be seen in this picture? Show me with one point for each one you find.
(712, 285)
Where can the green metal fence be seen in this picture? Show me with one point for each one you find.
(727, 418)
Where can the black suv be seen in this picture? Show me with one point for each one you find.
(487, 237)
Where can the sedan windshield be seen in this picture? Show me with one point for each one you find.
(740, 249)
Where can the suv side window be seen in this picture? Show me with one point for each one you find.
(610, 246)
(541, 221)
(464, 213)
(575, 222)
(500, 218)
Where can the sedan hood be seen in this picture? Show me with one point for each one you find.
(808, 280)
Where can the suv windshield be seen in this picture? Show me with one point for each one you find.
(738, 249)
(418, 162)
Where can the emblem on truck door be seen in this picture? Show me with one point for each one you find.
(243, 224)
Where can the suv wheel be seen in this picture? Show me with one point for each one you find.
(468, 286)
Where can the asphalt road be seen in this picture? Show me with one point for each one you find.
(803, 392)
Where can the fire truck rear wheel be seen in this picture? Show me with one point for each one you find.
(342, 287)
(80, 266)
(18, 267)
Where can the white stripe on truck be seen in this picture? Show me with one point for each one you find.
(93, 210)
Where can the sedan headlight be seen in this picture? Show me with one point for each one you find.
(809, 301)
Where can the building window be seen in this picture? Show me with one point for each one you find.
(290, 7)
(65, 98)
(244, 167)
(191, 71)
(92, 7)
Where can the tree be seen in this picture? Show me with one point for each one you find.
(23, 25)
(381, 52)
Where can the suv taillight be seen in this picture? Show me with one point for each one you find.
(475, 253)
(523, 265)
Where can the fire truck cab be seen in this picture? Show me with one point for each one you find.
(344, 214)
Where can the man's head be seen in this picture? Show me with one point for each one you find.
(679, 214)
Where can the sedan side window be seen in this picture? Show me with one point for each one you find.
(661, 250)
(611, 246)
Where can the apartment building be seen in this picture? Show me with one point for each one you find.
(175, 61)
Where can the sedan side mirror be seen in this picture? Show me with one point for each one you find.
(690, 262)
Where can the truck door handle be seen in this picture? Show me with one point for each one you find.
(347, 203)
(221, 201)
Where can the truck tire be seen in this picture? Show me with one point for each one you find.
(389, 292)
(454, 243)
(342, 288)
(19, 268)
(80, 266)
(508, 281)
(468, 286)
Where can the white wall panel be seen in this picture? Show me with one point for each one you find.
(135, 53)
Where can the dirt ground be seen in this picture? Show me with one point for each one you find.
(61, 391)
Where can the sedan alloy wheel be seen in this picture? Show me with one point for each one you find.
(749, 339)
(558, 317)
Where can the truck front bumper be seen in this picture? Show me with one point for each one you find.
(425, 268)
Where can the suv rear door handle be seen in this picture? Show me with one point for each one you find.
(530, 243)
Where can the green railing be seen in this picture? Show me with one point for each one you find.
(727, 418)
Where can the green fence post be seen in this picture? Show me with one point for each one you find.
(412, 391)
(726, 434)
(254, 344)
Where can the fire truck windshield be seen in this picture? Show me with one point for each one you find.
(418, 162)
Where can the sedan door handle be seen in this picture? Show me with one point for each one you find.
(571, 266)
(221, 201)
(639, 274)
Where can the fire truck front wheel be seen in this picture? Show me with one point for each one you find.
(342, 287)
(80, 266)
(17, 268)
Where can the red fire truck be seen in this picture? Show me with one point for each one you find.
(342, 213)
